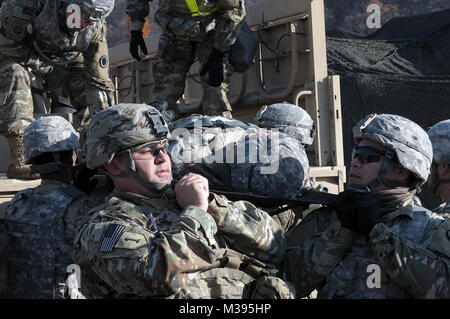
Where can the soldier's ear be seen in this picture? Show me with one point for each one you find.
(115, 167)
(403, 174)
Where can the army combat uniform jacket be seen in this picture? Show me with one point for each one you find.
(32, 37)
(406, 256)
(40, 228)
(147, 247)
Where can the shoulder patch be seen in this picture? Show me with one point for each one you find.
(110, 237)
(130, 240)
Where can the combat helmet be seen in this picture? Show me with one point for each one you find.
(440, 139)
(50, 134)
(290, 119)
(405, 141)
(286, 182)
(120, 129)
(94, 10)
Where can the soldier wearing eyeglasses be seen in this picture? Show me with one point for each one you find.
(374, 241)
(153, 239)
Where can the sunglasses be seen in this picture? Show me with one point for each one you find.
(366, 154)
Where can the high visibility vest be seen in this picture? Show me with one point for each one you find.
(202, 11)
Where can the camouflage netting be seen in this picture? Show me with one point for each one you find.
(403, 68)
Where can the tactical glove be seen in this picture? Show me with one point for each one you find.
(82, 179)
(136, 42)
(214, 66)
(358, 211)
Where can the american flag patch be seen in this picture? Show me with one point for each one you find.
(110, 238)
(22, 12)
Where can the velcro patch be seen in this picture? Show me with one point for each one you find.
(22, 12)
(131, 241)
(110, 237)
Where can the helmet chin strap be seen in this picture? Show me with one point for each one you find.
(436, 180)
(133, 173)
(380, 179)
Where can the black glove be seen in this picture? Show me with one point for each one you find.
(358, 211)
(214, 66)
(82, 179)
(136, 42)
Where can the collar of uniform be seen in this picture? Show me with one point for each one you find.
(141, 200)
(406, 210)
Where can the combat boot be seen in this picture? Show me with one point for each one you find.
(17, 167)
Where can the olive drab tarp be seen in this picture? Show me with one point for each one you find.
(403, 69)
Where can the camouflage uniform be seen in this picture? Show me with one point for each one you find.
(247, 174)
(409, 244)
(159, 248)
(259, 161)
(39, 44)
(40, 222)
(149, 247)
(186, 38)
(294, 121)
(440, 138)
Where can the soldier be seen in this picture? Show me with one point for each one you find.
(294, 121)
(190, 29)
(61, 45)
(152, 240)
(257, 161)
(374, 242)
(439, 179)
(40, 222)
(290, 119)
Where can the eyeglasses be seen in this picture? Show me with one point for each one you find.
(154, 149)
(366, 154)
(158, 148)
